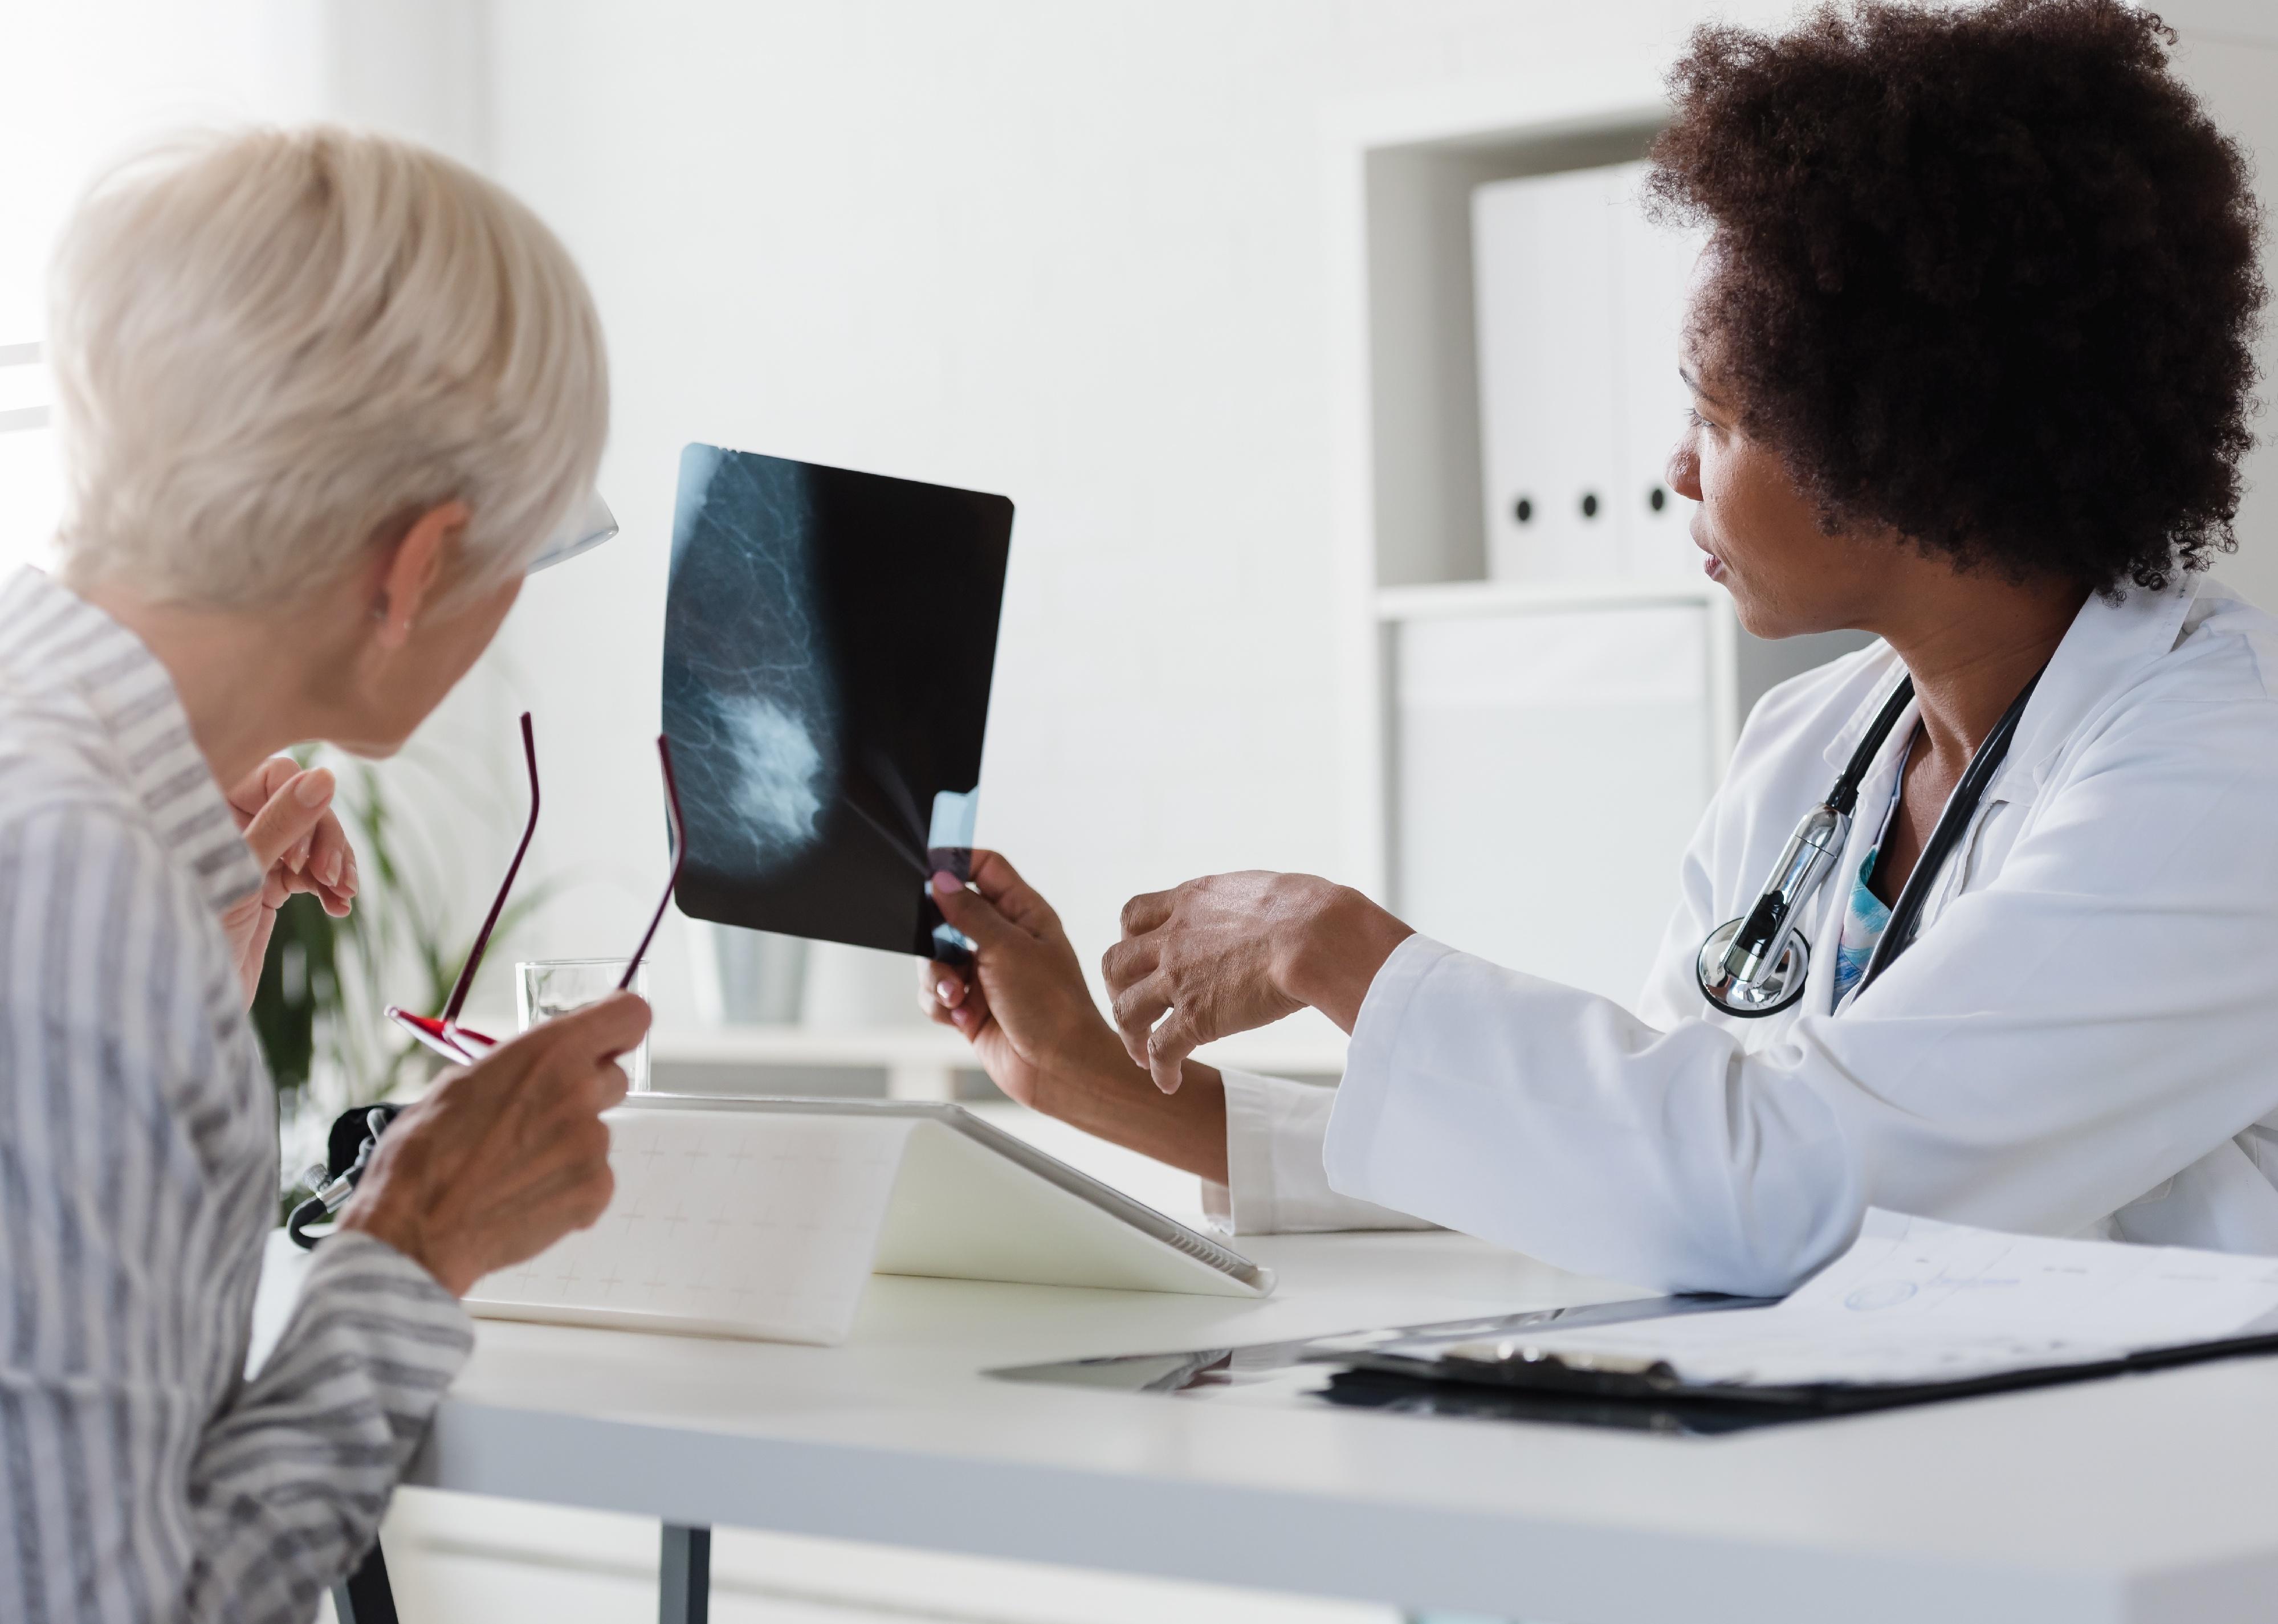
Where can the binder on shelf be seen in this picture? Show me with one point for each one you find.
(1544, 251)
(1652, 265)
(1579, 300)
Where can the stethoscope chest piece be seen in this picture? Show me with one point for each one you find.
(1767, 992)
(1756, 965)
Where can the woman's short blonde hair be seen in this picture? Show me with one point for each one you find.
(269, 347)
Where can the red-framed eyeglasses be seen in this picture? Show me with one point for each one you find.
(460, 1045)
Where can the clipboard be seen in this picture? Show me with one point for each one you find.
(1915, 1311)
(1378, 1378)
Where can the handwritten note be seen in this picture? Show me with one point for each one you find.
(1914, 1300)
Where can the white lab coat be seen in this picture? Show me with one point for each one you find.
(2083, 1039)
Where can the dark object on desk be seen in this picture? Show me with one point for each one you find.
(366, 1596)
(1406, 1395)
(348, 1151)
(830, 640)
(1403, 1371)
(1548, 1382)
(1322, 1369)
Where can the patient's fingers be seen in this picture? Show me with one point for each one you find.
(250, 794)
(288, 816)
(329, 862)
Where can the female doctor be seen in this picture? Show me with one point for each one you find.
(1970, 360)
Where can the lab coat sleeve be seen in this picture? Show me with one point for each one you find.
(2095, 1019)
(1274, 1182)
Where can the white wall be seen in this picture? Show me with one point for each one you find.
(85, 83)
(87, 80)
(1077, 253)
(1080, 253)
(2237, 73)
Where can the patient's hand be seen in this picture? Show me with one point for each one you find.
(287, 820)
(501, 1159)
(1022, 1004)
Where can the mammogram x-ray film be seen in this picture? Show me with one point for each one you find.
(828, 641)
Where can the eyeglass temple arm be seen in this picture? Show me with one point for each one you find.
(498, 903)
(672, 880)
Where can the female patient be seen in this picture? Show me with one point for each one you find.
(322, 398)
(1969, 359)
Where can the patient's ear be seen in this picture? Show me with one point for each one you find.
(412, 567)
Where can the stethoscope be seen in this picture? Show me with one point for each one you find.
(1756, 965)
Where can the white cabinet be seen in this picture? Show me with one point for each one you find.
(1579, 299)
(1551, 764)
(1539, 708)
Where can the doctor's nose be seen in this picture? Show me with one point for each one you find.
(1683, 473)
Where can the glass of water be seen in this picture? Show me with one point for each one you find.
(546, 987)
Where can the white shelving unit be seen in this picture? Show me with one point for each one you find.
(1395, 606)
(1527, 756)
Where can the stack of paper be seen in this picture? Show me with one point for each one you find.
(1918, 1301)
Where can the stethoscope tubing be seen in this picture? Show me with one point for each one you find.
(1905, 922)
(1783, 899)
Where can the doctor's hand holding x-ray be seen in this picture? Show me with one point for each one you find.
(2018, 966)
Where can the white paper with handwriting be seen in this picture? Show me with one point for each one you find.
(1914, 1300)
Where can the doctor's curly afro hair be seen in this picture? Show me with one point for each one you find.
(1986, 276)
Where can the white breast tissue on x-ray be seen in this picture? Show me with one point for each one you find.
(830, 642)
(753, 704)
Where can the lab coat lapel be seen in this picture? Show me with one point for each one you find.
(2101, 651)
(2107, 645)
(2104, 649)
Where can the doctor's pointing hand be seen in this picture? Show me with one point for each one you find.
(1222, 954)
(1982, 923)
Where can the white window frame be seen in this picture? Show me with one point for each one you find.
(22, 417)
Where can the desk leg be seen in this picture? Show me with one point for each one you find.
(684, 1579)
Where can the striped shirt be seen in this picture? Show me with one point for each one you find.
(142, 1475)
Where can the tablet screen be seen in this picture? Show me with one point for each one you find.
(829, 637)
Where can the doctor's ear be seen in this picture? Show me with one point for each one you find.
(410, 567)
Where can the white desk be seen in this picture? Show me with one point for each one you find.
(2151, 1499)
